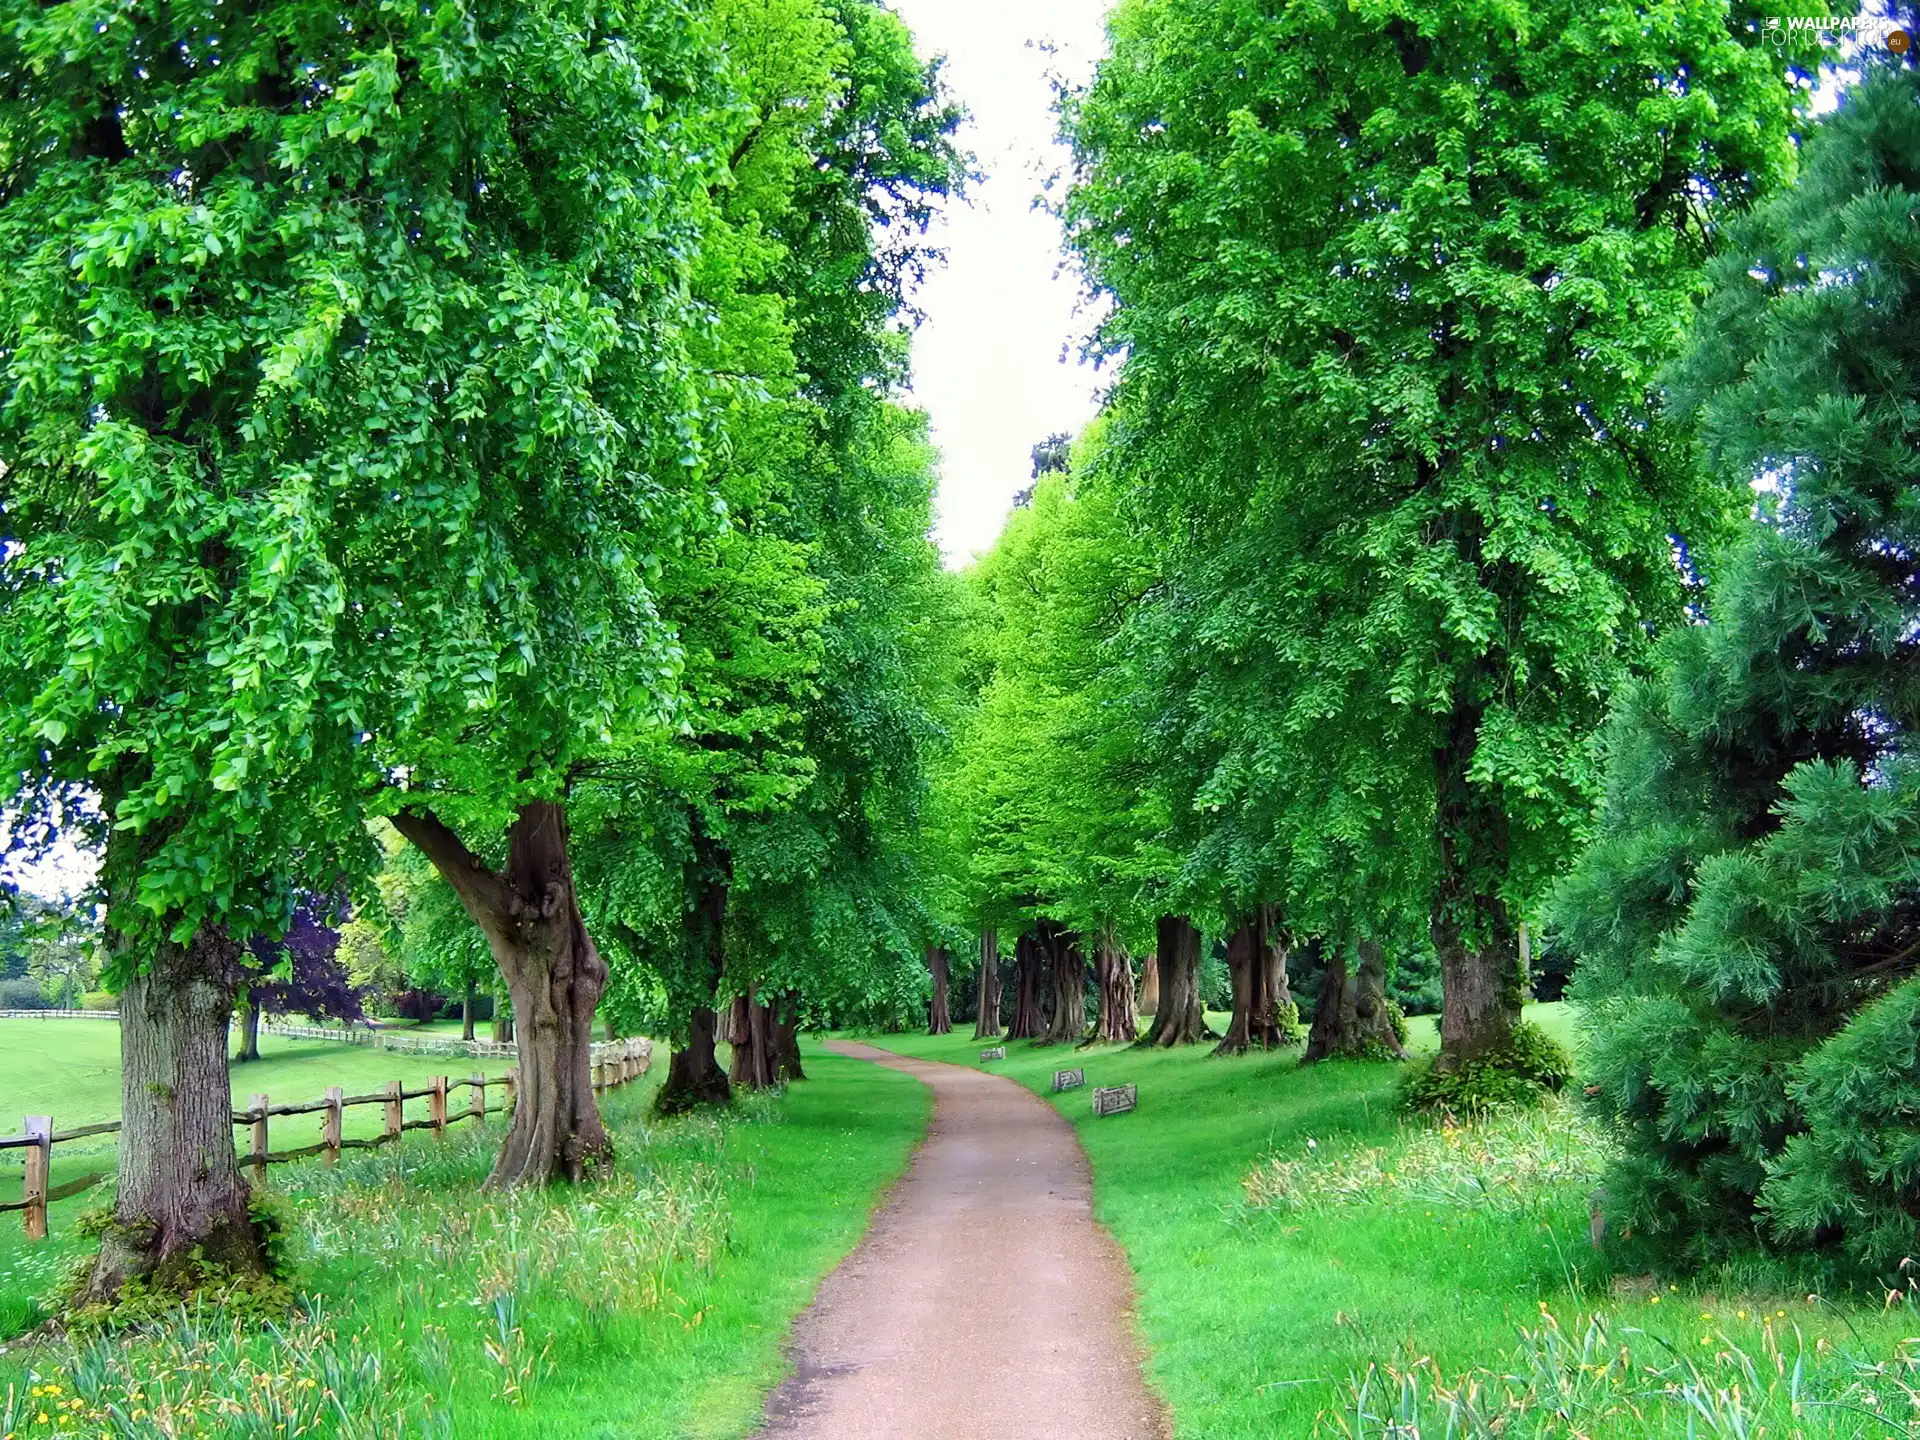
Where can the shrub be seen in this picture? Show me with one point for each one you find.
(1520, 1073)
(23, 994)
(100, 1000)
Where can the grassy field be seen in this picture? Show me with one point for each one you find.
(70, 1069)
(651, 1304)
(1310, 1264)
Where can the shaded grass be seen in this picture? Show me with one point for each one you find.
(1259, 1319)
(652, 1303)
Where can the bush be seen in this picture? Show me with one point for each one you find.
(100, 1000)
(23, 995)
(1530, 1066)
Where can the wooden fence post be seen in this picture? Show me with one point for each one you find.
(396, 1109)
(477, 1095)
(437, 1104)
(257, 1108)
(330, 1124)
(39, 1159)
(513, 1085)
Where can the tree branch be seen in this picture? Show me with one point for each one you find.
(482, 893)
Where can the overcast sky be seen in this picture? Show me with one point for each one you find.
(987, 362)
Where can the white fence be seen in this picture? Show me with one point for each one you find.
(59, 1014)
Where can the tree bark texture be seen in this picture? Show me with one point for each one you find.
(1180, 1018)
(986, 1023)
(751, 1033)
(530, 913)
(694, 1076)
(249, 1030)
(1067, 1022)
(1027, 959)
(1114, 975)
(1482, 985)
(466, 1012)
(786, 1037)
(1351, 1016)
(939, 1022)
(1257, 963)
(1150, 986)
(180, 1207)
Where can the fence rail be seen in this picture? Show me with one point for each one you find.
(614, 1063)
(402, 1040)
(59, 1014)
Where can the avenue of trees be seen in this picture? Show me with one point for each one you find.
(457, 495)
(1481, 375)
(468, 423)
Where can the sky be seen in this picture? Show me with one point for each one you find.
(987, 361)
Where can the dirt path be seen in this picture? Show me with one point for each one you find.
(984, 1300)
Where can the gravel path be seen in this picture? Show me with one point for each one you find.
(983, 1301)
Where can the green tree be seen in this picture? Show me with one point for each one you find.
(340, 370)
(1748, 920)
(1391, 283)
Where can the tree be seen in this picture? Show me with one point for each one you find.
(315, 292)
(1748, 918)
(298, 974)
(1179, 1018)
(986, 1025)
(939, 1022)
(1351, 1015)
(1263, 1011)
(1409, 405)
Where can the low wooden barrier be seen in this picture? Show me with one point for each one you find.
(404, 1041)
(59, 1014)
(999, 1052)
(1114, 1099)
(1068, 1080)
(614, 1063)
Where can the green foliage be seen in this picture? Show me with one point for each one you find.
(1530, 1066)
(1749, 915)
(1390, 286)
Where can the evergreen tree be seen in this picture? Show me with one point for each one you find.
(1749, 918)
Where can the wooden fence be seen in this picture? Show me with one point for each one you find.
(59, 1014)
(614, 1064)
(406, 1041)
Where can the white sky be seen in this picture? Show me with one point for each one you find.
(987, 362)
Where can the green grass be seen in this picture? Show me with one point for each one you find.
(1261, 1320)
(652, 1303)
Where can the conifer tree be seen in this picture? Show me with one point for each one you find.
(1749, 918)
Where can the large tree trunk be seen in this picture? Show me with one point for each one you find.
(1482, 985)
(1150, 986)
(694, 1076)
(249, 1030)
(1257, 961)
(756, 1056)
(1180, 1018)
(466, 1012)
(180, 1207)
(986, 1023)
(1026, 988)
(1114, 976)
(530, 914)
(1351, 1016)
(939, 1022)
(786, 1038)
(1069, 975)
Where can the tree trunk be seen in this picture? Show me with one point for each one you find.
(1179, 1019)
(1481, 983)
(180, 1207)
(466, 1012)
(530, 914)
(249, 1030)
(1069, 976)
(1026, 988)
(1115, 978)
(938, 1021)
(986, 1023)
(1150, 986)
(1351, 1017)
(694, 1076)
(786, 1038)
(1257, 961)
(756, 1058)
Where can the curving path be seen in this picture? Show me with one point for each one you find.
(983, 1300)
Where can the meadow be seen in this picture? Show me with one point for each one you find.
(651, 1303)
(1311, 1263)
